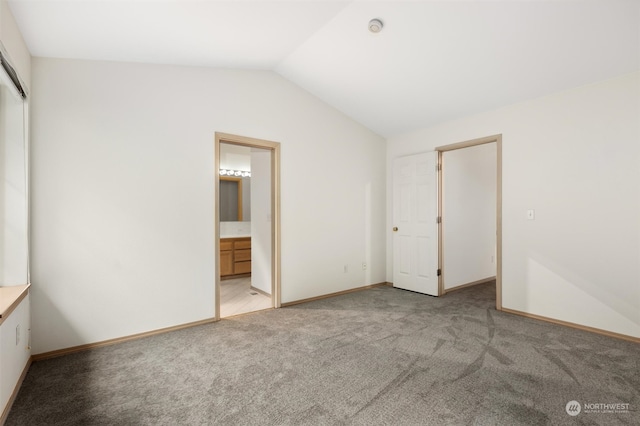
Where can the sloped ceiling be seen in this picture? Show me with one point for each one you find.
(432, 62)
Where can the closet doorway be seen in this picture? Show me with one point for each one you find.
(247, 225)
(470, 212)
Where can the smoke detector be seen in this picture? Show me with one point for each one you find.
(375, 25)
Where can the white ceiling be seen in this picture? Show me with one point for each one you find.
(433, 61)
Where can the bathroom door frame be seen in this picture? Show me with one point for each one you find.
(274, 148)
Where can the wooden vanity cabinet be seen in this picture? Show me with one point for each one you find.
(226, 258)
(235, 257)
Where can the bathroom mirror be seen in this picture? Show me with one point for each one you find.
(235, 191)
(235, 199)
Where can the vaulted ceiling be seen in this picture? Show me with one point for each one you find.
(433, 61)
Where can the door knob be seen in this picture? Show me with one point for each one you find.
(395, 229)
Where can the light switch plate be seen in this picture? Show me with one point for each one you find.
(531, 214)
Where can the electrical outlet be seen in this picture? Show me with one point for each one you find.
(364, 266)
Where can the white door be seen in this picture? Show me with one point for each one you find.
(415, 212)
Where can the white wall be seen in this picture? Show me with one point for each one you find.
(122, 192)
(261, 220)
(574, 157)
(469, 214)
(235, 157)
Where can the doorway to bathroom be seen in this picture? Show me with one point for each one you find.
(247, 225)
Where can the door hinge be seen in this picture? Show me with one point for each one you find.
(439, 271)
(439, 219)
(438, 167)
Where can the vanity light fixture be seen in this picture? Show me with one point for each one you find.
(236, 173)
(375, 25)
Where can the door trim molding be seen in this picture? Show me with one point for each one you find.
(274, 147)
(466, 144)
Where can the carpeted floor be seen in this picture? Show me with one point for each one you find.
(377, 357)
